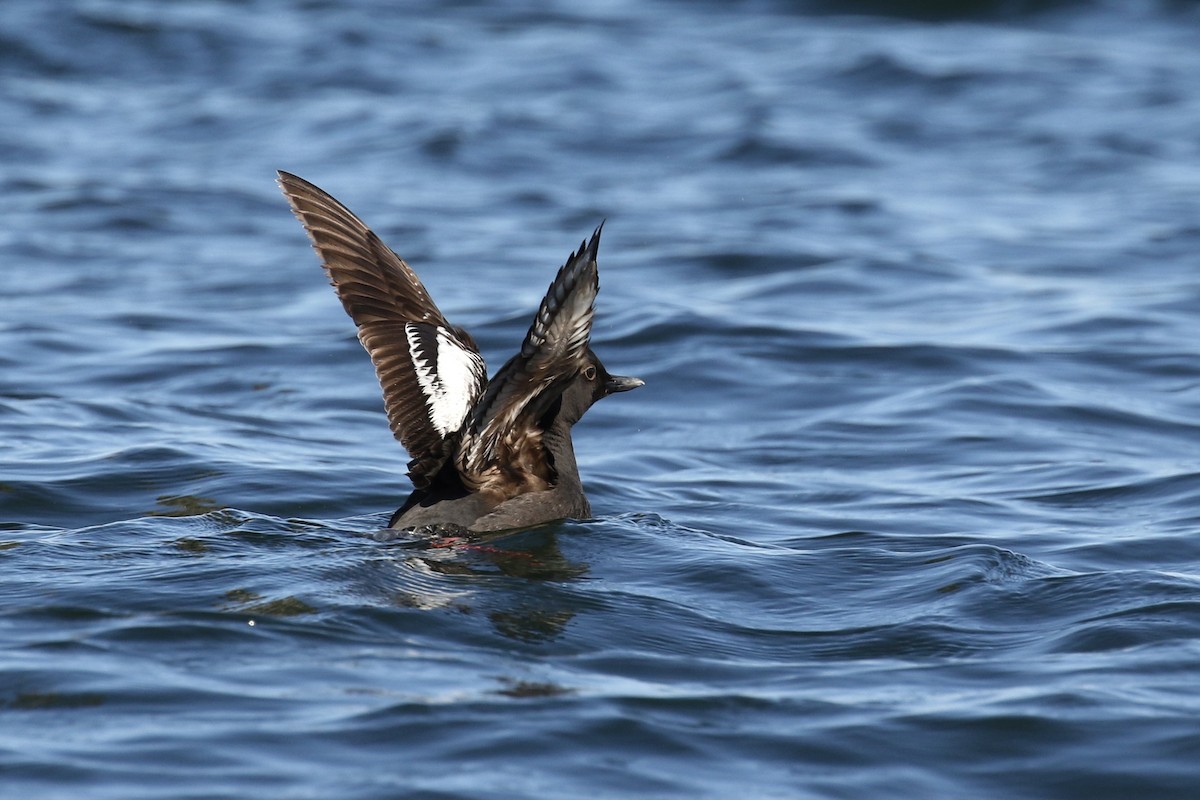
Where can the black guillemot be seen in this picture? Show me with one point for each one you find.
(487, 455)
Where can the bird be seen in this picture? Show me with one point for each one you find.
(487, 455)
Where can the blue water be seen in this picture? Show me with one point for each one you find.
(908, 508)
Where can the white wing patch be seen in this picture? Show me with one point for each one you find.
(450, 376)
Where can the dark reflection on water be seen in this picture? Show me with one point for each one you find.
(527, 556)
(906, 508)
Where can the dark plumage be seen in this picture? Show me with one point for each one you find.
(486, 455)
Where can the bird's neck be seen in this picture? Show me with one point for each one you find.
(557, 440)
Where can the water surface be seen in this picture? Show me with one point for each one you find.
(907, 508)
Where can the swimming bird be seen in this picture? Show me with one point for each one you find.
(487, 455)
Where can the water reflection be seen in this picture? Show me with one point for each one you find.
(534, 555)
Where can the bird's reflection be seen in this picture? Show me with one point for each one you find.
(531, 555)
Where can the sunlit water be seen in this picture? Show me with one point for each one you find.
(909, 506)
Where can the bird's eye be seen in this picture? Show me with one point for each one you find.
(590, 373)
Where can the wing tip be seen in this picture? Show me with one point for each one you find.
(298, 191)
(589, 248)
(289, 183)
(594, 244)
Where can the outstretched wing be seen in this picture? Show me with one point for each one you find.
(503, 432)
(431, 371)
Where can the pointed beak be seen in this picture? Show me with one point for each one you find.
(621, 383)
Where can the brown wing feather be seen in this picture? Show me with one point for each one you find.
(503, 440)
(371, 280)
(400, 327)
